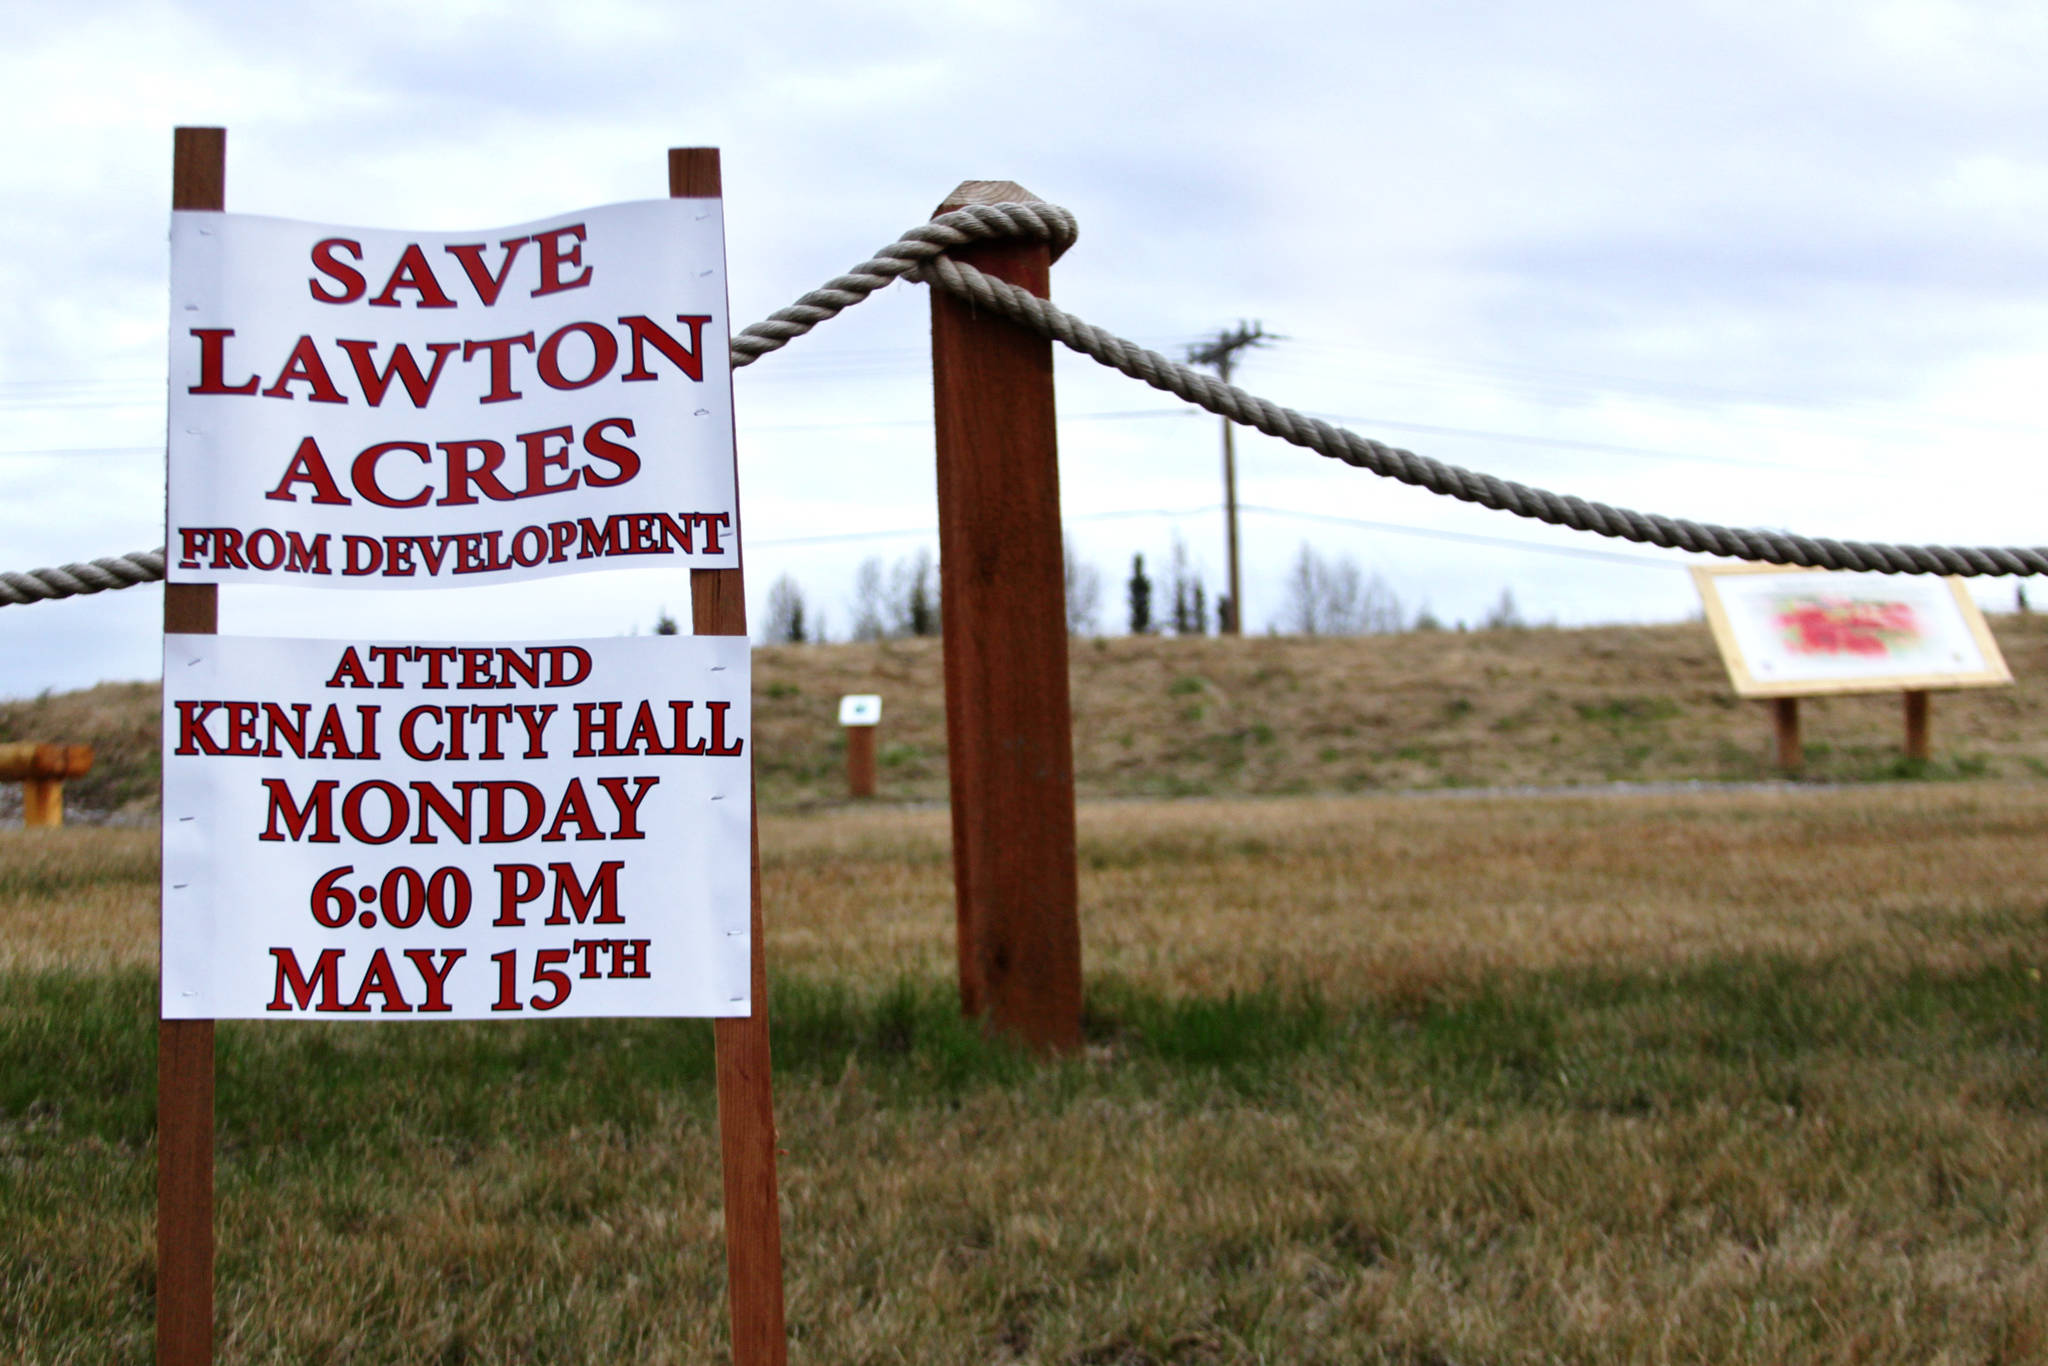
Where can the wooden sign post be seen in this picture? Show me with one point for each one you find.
(184, 1055)
(861, 716)
(1917, 708)
(1785, 725)
(746, 1105)
(643, 741)
(1009, 727)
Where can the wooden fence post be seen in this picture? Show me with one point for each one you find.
(746, 1104)
(184, 1048)
(1917, 708)
(1791, 754)
(860, 761)
(1009, 728)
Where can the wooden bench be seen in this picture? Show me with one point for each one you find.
(41, 771)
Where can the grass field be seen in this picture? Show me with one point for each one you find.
(1698, 1077)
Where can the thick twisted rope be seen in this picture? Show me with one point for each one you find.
(920, 254)
(91, 576)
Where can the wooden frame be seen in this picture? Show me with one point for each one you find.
(1746, 676)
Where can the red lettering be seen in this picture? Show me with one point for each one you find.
(554, 255)
(500, 351)
(309, 466)
(193, 736)
(326, 262)
(363, 474)
(622, 458)
(318, 812)
(436, 979)
(289, 977)
(575, 809)
(645, 331)
(604, 354)
(381, 979)
(518, 883)
(305, 366)
(462, 474)
(397, 811)
(627, 807)
(487, 285)
(349, 667)
(603, 891)
(412, 272)
(213, 360)
(419, 388)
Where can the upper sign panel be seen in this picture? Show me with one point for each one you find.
(352, 408)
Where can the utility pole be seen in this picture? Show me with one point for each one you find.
(1220, 352)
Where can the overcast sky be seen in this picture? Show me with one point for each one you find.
(1769, 264)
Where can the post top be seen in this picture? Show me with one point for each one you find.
(985, 192)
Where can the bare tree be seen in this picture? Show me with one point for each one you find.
(870, 601)
(787, 622)
(1336, 598)
(1185, 582)
(1504, 614)
(1084, 593)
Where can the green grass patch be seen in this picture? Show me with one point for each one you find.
(79, 1051)
(1276, 1143)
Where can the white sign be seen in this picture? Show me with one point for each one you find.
(860, 709)
(372, 409)
(374, 830)
(1785, 632)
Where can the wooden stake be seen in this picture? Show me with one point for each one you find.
(1791, 754)
(746, 1103)
(184, 1048)
(860, 761)
(1918, 706)
(42, 803)
(1009, 728)
(1233, 625)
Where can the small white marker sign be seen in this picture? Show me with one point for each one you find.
(377, 830)
(860, 709)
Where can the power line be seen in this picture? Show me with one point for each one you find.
(1392, 528)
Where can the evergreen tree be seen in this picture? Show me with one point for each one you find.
(1141, 598)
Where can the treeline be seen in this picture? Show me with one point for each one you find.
(1320, 596)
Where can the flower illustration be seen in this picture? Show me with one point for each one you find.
(1826, 624)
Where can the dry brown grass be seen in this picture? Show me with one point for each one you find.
(1273, 715)
(1278, 715)
(1358, 895)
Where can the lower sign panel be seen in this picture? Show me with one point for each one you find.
(385, 830)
